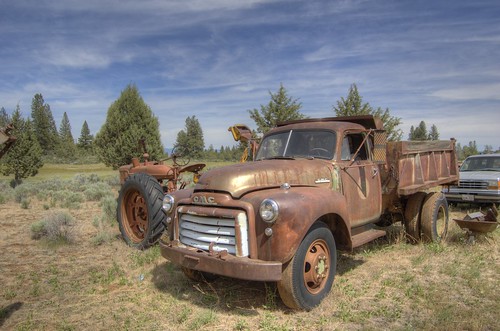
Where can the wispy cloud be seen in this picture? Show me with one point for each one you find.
(217, 59)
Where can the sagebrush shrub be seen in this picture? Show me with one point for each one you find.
(97, 191)
(21, 192)
(108, 207)
(25, 203)
(56, 227)
(81, 180)
(38, 229)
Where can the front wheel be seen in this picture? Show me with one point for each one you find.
(308, 277)
(139, 213)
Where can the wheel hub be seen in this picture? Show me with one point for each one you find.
(137, 216)
(316, 266)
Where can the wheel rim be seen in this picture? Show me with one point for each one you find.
(316, 266)
(136, 220)
(441, 222)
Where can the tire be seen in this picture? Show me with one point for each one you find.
(308, 277)
(412, 217)
(139, 211)
(199, 276)
(434, 218)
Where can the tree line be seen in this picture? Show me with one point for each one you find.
(129, 120)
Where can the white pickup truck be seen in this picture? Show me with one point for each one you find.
(479, 180)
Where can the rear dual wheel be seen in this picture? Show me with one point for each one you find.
(434, 218)
(412, 216)
(426, 217)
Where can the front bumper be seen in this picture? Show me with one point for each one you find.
(479, 196)
(221, 263)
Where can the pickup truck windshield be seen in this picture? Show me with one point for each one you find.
(481, 164)
(298, 144)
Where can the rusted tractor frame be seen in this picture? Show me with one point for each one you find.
(6, 139)
(143, 185)
(167, 175)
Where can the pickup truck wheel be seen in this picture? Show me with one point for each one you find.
(412, 216)
(434, 217)
(309, 276)
(199, 276)
(139, 213)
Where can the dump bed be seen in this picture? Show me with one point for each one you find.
(420, 165)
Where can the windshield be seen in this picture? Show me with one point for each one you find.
(298, 144)
(481, 164)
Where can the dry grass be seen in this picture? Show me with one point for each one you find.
(384, 285)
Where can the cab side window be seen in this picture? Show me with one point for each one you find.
(350, 144)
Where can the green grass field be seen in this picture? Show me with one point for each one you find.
(97, 282)
(68, 171)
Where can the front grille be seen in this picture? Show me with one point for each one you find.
(475, 185)
(227, 230)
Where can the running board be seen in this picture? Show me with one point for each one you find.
(366, 236)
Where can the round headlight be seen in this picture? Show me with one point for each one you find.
(269, 210)
(168, 203)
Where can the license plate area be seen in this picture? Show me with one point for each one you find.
(467, 197)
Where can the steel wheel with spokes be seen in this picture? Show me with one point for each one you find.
(316, 266)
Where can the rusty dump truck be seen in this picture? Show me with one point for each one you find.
(315, 186)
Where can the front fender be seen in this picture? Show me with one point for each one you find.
(299, 208)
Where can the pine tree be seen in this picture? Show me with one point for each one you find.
(66, 148)
(281, 108)
(190, 140)
(128, 120)
(434, 134)
(44, 124)
(412, 133)
(419, 133)
(25, 156)
(353, 106)
(488, 149)
(4, 118)
(85, 140)
(470, 149)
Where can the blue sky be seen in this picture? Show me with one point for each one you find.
(436, 61)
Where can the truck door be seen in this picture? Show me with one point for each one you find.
(360, 179)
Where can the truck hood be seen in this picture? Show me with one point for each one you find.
(241, 178)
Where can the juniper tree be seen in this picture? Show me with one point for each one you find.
(24, 158)
(129, 119)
